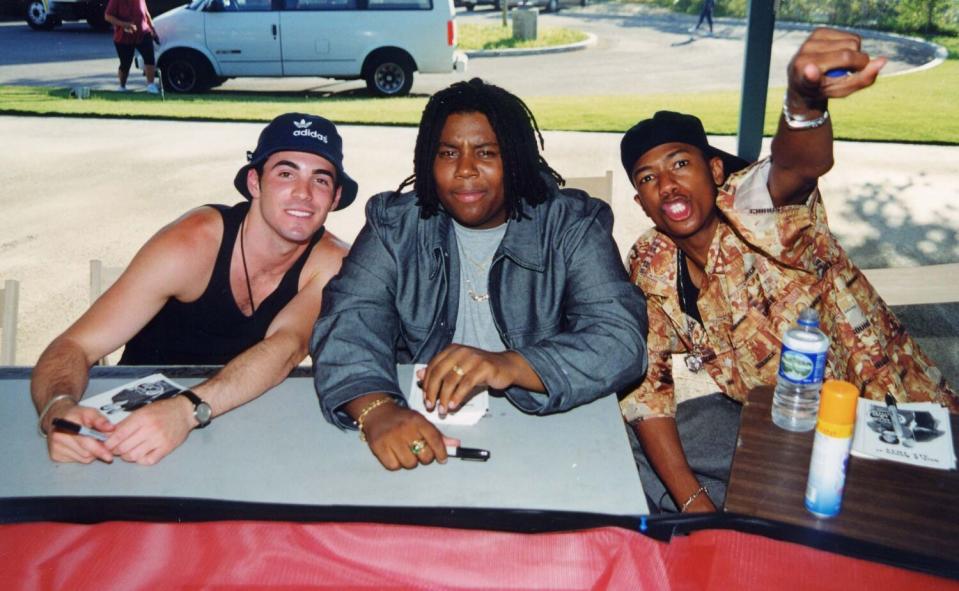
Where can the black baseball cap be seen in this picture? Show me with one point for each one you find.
(666, 127)
(299, 132)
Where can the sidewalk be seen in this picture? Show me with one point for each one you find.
(79, 189)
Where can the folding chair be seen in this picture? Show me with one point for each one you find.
(600, 187)
(9, 298)
(101, 278)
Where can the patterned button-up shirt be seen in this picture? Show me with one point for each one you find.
(764, 266)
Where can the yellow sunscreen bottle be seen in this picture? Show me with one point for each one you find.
(830, 451)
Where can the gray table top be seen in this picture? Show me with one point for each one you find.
(279, 449)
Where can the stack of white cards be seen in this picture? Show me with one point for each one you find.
(469, 414)
(119, 402)
(924, 437)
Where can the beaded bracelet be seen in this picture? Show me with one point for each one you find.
(693, 497)
(367, 410)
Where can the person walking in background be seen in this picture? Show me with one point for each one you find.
(133, 31)
(707, 14)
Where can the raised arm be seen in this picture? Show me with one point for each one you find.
(155, 430)
(802, 148)
(165, 267)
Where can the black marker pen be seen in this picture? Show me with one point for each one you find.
(71, 427)
(468, 453)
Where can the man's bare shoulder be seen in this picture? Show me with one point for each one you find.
(183, 250)
(325, 259)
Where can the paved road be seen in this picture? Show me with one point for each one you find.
(77, 189)
(639, 51)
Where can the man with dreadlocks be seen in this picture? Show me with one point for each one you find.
(487, 272)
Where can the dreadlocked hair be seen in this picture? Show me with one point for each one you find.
(516, 131)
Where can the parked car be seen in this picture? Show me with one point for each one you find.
(546, 5)
(380, 41)
(43, 15)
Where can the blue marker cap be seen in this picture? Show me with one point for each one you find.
(838, 73)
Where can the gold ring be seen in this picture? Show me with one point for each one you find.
(458, 371)
(417, 445)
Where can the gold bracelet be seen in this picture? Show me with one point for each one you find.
(693, 497)
(367, 410)
(46, 409)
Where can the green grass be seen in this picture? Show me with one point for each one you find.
(919, 107)
(950, 42)
(474, 37)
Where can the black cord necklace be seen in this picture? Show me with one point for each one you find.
(246, 272)
(694, 360)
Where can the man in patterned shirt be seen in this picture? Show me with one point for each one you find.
(737, 252)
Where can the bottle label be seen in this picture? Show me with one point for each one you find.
(801, 368)
(827, 474)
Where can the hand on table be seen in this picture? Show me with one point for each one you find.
(825, 50)
(153, 431)
(403, 438)
(456, 371)
(66, 447)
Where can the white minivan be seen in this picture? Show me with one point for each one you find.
(382, 41)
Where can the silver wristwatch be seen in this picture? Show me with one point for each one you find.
(202, 411)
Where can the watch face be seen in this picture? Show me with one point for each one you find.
(203, 413)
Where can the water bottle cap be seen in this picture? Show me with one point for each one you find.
(808, 317)
(838, 402)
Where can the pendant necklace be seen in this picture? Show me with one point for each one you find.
(246, 272)
(694, 359)
(473, 294)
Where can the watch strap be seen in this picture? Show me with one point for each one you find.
(197, 401)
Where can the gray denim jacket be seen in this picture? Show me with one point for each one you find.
(559, 294)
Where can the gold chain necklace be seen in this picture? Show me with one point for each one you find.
(694, 359)
(482, 266)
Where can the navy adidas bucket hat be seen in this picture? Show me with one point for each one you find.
(298, 132)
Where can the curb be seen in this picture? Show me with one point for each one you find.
(589, 41)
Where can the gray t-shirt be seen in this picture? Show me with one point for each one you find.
(474, 322)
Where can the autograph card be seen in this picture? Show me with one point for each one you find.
(469, 414)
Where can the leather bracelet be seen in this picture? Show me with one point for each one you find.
(799, 123)
(693, 497)
(46, 409)
(367, 410)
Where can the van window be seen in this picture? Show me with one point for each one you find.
(319, 4)
(247, 5)
(400, 4)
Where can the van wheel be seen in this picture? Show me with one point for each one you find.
(552, 6)
(390, 75)
(38, 18)
(470, 7)
(186, 72)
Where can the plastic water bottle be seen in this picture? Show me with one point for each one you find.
(801, 366)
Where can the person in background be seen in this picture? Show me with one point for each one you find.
(236, 286)
(736, 253)
(706, 14)
(487, 272)
(133, 31)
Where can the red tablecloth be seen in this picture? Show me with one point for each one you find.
(280, 555)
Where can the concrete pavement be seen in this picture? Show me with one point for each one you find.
(78, 189)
